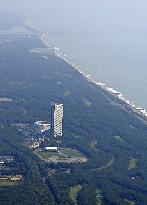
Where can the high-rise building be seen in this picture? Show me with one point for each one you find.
(56, 119)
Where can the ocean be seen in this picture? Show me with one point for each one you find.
(107, 39)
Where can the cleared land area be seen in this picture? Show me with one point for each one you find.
(118, 138)
(70, 153)
(87, 103)
(93, 145)
(64, 155)
(132, 163)
(48, 154)
(74, 193)
(107, 165)
(8, 183)
(129, 202)
(67, 93)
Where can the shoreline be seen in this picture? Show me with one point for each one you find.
(139, 112)
(133, 107)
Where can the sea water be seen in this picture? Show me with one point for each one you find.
(106, 38)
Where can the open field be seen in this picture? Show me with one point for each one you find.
(70, 153)
(65, 155)
(74, 192)
(107, 165)
(48, 154)
(2, 167)
(87, 103)
(129, 202)
(9, 183)
(67, 93)
(132, 163)
(93, 145)
(118, 138)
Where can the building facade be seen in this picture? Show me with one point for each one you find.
(56, 119)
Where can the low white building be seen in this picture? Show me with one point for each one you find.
(53, 149)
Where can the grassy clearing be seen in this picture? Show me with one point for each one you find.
(74, 193)
(66, 152)
(87, 103)
(76, 136)
(93, 145)
(132, 163)
(118, 138)
(107, 165)
(129, 202)
(2, 167)
(9, 183)
(67, 93)
(98, 197)
(48, 154)
(71, 153)
(64, 155)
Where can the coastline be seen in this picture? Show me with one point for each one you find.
(127, 105)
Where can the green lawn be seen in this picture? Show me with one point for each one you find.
(130, 202)
(87, 103)
(48, 154)
(107, 165)
(118, 138)
(8, 183)
(132, 163)
(2, 167)
(74, 192)
(65, 152)
(93, 145)
(71, 152)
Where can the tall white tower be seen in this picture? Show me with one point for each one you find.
(56, 119)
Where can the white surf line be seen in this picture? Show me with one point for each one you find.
(118, 95)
